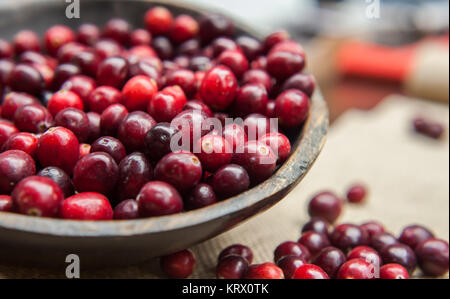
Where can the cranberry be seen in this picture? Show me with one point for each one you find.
(198, 105)
(368, 254)
(167, 104)
(13, 101)
(400, 254)
(106, 48)
(414, 235)
(133, 129)
(140, 37)
(326, 205)
(184, 28)
(64, 72)
(64, 99)
(181, 169)
(6, 67)
(291, 249)
(157, 141)
(201, 64)
(250, 46)
(251, 98)
(6, 203)
(289, 46)
(213, 25)
(232, 267)
(127, 209)
(235, 135)
(27, 79)
(163, 47)
(183, 78)
(85, 149)
(33, 118)
(158, 199)
(314, 241)
(292, 108)
(58, 147)
(283, 64)
(258, 159)
(94, 125)
(146, 68)
(113, 72)
(82, 86)
(74, 120)
(134, 172)
(214, 152)
(34, 58)
(111, 146)
(432, 256)
(237, 250)
(219, 88)
(330, 259)
(318, 225)
(382, 240)
(393, 271)
(159, 20)
(264, 271)
(26, 40)
(348, 236)
(88, 34)
(277, 37)
(357, 193)
(190, 47)
(257, 77)
(201, 196)
(222, 44)
(111, 119)
(430, 129)
(88, 61)
(191, 124)
(137, 93)
(6, 130)
(118, 30)
(57, 36)
(230, 180)
(25, 142)
(87, 206)
(257, 125)
(270, 109)
(310, 272)
(15, 165)
(279, 143)
(259, 63)
(6, 49)
(372, 228)
(303, 82)
(178, 265)
(59, 177)
(235, 60)
(68, 51)
(289, 264)
(357, 269)
(38, 196)
(102, 97)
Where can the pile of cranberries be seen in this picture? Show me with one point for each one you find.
(346, 251)
(88, 116)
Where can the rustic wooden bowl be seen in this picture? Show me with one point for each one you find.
(46, 242)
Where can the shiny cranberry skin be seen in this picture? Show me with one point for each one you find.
(264, 271)
(106, 48)
(133, 129)
(251, 98)
(184, 28)
(259, 63)
(283, 64)
(213, 25)
(219, 88)
(330, 259)
(348, 236)
(214, 152)
(230, 180)
(289, 264)
(198, 105)
(6, 67)
(303, 82)
(27, 79)
(67, 51)
(222, 44)
(372, 228)
(382, 240)
(85, 149)
(6, 49)
(134, 172)
(201, 196)
(326, 205)
(126, 210)
(33, 118)
(118, 30)
(250, 46)
(274, 38)
(13, 101)
(6, 130)
(232, 267)
(292, 108)
(158, 20)
(87, 206)
(88, 61)
(157, 141)
(167, 104)
(235, 60)
(318, 225)
(315, 242)
(434, 130)
(414, 235)
(258, 77)
(178, 265)
(59, 177)
(191, 124)
(102, 97)
(200, 63)
(81, 85)
(257, 125)
(357, 269)
(258, 159)
(237, 250)
(64, 72)
(111, 146)
(183, 78)
(279, 143)
(190, 47)
(159, 198)
(137, 93)
(74, 120)
(357, 194)
(94, 125)
(310, 272)
(180, 169)
(113, 72)
(163, 47)
(25, 142)
(140, 37)
(26, 40)
(235, 135)
(88, 34)
(368, 254)
(433, 255)
(393, 271)
(111, 119)
(56, 36)
(6, 203)
(64, 99)
(291, 249)
(58, 147)
(15, 165)
(400, 254)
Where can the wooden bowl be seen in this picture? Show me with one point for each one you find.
(46, 242)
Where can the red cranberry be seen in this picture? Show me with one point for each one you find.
(184, 28)
(400, 254)
(279, 143)
(88, 34)
(222, 44)
(85, 149)
(372, 228)
(25, 142)
(232, 267)
(283, 64)
(157, 141)
(357, 193)
(190, 48)
(357, 269)
(133, 129)
(230, 180)
(213, 25)
(180, 169)
(6, 67)
(6, 49)
(58, 147)
(264, 271)
(184, 79)
(191, 124)
(94, 125)
(163, 47)
(167, 104)
(303, 82)
(201, 64)
(127, 209)
(34, 58)
(134, 172)
(6, 203)
(13, 101)
(432, 255)
(250, 46)
(348, 236)
(102, 97)
(87, 206)
(315, 242)
(219, 88)
(68, 51)
(137, 93)
(26, 40)
(291, 249)
(330, 259)
(111, 146)
(27, 79)
(198, 105)
(214, 152)
(6, 130)
(258, 159)
(326, 205)
(318, 225)
(112, 71)
(15, 165)
(118, 30)
(106, 48)
(140, 37)
(88, 61)
(310, 272)
(290, 264)
(59, 177)
(257, 125)
(237, 250)
(33, 118)
(435, 130)
(38, 196)
(292, 108)
(64, 72)
(57, 36)
(289, 46)
(259, 63)
(74, 120)
(178, 265)
(64, 99)
(111, 119)
(393, 271)
(82, 86)
(158, 199)
(251, 98)
(277, 37)
(382, 240)
(258, 77)
(235, 60)
(235, 135)
(368, 254)
(414, 235)
(202, 196)
(158, 20)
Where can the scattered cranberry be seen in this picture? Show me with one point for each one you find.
(64, 72)
(330, 259)
(232, 267)
(25, 142)
(113, 72)
(64, 99)
(213, 25)
(201, 196)
(393, 271)
(184, 28)
(109, 145)
(433, 255)
(167, 104)
(26, 78)
(133, 129)
(292, 108)
(279, 143)
(368, 254)
(382, 240)
(88, 34)
(157, 141)
(198, 105)
(184, 79)
(127, 209)
(250, 46)
(178, 265)
(258, 159)
(314, 241)
(6, 203)
(264, 271)
(291, 249)
(159, 198)
(15, 165)
(289, 264)
(251, 98)
(140, 37)
(137, 93)
(357, 269)
(348, 236)
(219, 88)
(230, 180)
(326, 205)
(33, 118)
(6, 130)
(26, 40)
(310, 272)
(318, 225)
(414, 235)
(57, 36)
(102, 97)
(372, 228)
(400, 254)
(59, 177)
(237, 250)
(111, 119)
(118, 30)
(428, 128)
(134, 172)
(258, 77)
(235, 60)
(357, 194)
(303, 82)
(283, 64)
(87, 206)
(159, 20)
(13, 101)
(74, 120)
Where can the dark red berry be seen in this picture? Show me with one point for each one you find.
(113, 72)
(64, 99)
(102, 97)
(13, 101)
(106, 48)
(201, 63)
(56, 36)
(368, 254)
(134, 172)
(68, 51)
(198, 105)
(15, 165)
(232, 267)
(157, 141)
(414, 235)
(318, 225)
(357, 269)
(6, 67)
(6, 49)
(257, 125)
(259, 63)
(264, 271)
(137, 93)
(82, 86)
(222, 44)
(372, 228)
(303, 82)
(88, 34)
(88, 60)
(357, 193)
(310, 272)
(163, 47)
(289, 264)
(7, 130)
(184, 28)
(235, 60)
(258, 159)
(280, 145)
(213, 25)
(382, 240)
(292, 108)
(140, 37)
(64, 72)
(158, 20)
(330, 259)
(111, 119)
(393, 271)
(258, 76)
(433, 255)
(25, 142)
(219, 88)
(251, 98)
(26, 78)
(59, 177)
(315, 242)
(348, 236)
(202, 196)
(213, 152)
(74, 120)
(6, 203)
(191, 125)
(400, 254)
(94, 126)
(184, 79)
(109, 145)
(250, 46)
(291, 249)
(190, 48)
(235, 135)
(326, 205)
(118, 30)
(26, 40)
(178, 265)
(275, 38)
(33, 118)
(127, 209)
(158, 199)
(239, 250)
(133, 129)
(87, 206)
(167, 104)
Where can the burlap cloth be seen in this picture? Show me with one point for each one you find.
(408, 176)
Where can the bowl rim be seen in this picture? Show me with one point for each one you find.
(290, 173)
